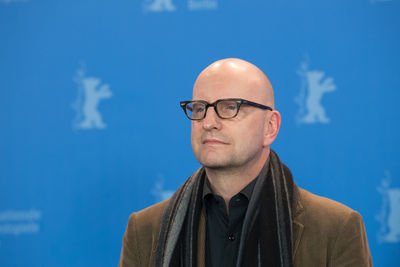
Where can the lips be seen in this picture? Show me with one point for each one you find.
(212, 141)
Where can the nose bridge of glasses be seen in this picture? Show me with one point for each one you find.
(213, 107)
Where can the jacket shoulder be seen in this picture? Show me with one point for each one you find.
(317, 207)
(329, 233)
(150, 217)
(141, 236)
(323, 218)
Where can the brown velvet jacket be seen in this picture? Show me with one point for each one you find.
(325, 233)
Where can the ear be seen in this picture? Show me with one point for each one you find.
(271, 128)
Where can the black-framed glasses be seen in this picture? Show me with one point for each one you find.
(225, 108)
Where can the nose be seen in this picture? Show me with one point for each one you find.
(211, 121)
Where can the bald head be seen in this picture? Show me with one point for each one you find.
(234, 78)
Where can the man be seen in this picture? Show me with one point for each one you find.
(242, 208)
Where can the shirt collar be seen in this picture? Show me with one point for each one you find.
(247, 191)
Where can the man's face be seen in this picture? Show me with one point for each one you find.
(229, 143)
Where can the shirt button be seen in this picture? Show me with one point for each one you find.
(231, 237)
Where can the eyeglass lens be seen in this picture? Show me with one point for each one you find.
(225, 109)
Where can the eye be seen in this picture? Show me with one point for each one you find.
(228, 106)
(198, 108)
(231, 107)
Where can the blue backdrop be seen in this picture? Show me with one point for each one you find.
(91, 129)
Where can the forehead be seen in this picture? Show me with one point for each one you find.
(219, 86)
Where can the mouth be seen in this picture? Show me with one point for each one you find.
(210, 141)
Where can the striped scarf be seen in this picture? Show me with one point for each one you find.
(267, 227)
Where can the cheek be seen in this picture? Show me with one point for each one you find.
(252, 135)
(195, 135)
(195, 131)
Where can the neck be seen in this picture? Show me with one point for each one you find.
(227, 182)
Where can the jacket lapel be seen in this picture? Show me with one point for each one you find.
(298, 227)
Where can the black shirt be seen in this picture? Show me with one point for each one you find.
(223, 230)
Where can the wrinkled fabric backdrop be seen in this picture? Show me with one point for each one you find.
(91, 129)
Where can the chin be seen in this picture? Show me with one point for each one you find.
(215, 163)
(214, 159)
